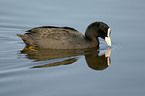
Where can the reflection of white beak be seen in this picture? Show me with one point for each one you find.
(108, 40)
(107, 54)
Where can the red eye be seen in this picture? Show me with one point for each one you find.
(104, 31)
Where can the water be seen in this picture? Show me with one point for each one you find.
(28, 74)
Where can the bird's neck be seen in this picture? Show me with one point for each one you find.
(93, 41)
(91, 38)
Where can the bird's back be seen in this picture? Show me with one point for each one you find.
(54, 38)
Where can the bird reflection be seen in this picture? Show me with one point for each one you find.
(65, 57)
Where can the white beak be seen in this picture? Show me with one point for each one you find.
(108, 40)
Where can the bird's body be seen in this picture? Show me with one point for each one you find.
(52, 37)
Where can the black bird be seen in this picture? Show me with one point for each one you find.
(52, 37)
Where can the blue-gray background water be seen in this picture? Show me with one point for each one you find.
(124, 77)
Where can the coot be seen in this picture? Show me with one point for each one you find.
(52, 37)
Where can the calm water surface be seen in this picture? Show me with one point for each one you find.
(73, 72)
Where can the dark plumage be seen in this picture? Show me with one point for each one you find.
(52, 37)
